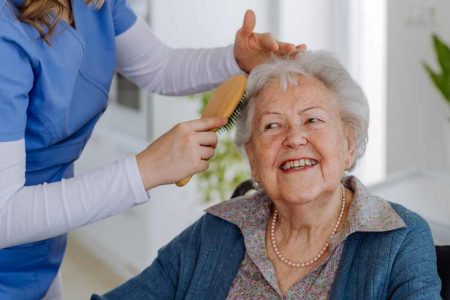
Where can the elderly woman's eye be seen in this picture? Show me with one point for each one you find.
(313, 120)
(270, 126)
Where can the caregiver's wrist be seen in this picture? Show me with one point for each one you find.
(150, 175)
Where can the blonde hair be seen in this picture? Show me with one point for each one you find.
(38, 13)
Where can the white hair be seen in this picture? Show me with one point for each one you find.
(354, 109)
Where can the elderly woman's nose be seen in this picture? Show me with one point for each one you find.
(295, 137)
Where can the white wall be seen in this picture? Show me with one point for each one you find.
(367, 63)
(203, 23)
(309, 22)
(415, 111)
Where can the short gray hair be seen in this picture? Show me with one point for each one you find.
(322, 66)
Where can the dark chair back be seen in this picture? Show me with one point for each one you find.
(243, 188)
(443, 265)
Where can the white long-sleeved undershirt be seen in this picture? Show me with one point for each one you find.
(156, 67)
(42, 211)
(31, 213)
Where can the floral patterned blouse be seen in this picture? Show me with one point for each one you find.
(256, 278)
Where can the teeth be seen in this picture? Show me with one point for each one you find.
(298, 164)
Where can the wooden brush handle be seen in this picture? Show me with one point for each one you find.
(183, 181)
(222, 103)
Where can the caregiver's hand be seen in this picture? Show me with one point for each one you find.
(252, 49)
(181, 152)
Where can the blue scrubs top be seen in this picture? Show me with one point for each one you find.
(52, 96)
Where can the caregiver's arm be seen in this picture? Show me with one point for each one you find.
(145, 60)
(154, 66)
(31, 213)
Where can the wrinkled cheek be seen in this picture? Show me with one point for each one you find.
(263, 169)
(337, 155)
(257, 165)
(331, 168)
(265, 154)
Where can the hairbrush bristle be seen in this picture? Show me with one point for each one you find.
(234, 116)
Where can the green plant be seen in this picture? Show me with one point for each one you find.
(441, 79)
(226, 169)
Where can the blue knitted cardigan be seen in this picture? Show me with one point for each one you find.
(203, 260)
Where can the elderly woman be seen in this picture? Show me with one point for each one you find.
(310, 232)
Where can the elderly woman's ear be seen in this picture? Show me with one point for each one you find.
(251, 160)
(351, 152)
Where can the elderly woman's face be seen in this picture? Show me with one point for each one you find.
(299, 148)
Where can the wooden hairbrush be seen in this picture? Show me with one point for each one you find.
(227, 101)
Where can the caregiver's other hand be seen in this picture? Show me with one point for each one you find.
(252, 49)
(181, 152)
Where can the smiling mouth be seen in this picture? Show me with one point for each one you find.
(298, 164)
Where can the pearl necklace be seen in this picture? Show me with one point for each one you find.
(324, 248)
